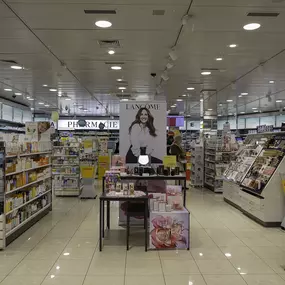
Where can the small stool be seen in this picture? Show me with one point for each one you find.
(135, 210)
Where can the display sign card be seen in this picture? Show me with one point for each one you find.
(170, 161)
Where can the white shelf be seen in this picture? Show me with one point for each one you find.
(27, 220)
(66, 174)
(66, 155)
(211, 161)
(209, 168)
(208, 175)
(61, 146)
(26, 185)
(69, 165)
(28, 154)
(37, 197)
(29, 169)
(212, 154)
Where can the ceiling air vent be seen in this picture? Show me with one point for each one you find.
(101, 12)
(9, 61)
(158, 12)
(123, 95)
(114, 63)
(263, 14)
(109, 44)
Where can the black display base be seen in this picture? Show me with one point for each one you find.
(25, 227)
(88, 198)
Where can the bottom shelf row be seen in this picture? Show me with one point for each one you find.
(20, 217)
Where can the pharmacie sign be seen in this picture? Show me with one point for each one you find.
(67, 125)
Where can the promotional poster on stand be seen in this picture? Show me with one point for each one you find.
(142, 130)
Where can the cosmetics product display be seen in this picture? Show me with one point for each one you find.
(26, 183)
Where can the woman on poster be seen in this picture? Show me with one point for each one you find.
(142, 135)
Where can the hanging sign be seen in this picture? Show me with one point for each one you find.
(67, 125)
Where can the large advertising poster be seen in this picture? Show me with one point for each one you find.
(143, 130)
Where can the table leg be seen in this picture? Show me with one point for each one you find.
(103, 184)
(184, 193)
(100, 227)
(108, 215)
(103, 218)
(145, 222)
(128, 225)
(189, 232)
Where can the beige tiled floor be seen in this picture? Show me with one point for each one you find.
(227, 248)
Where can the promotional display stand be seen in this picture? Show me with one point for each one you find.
(143, 151)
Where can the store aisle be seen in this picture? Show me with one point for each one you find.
(226, 248)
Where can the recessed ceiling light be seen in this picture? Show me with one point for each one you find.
(179, 100)
(103, 24)
(184, 95)
(8, 89)
(219, 59)
(41, 103)
(254, 108)
(16, 67)
(122, 88)
(230, 114)
(233, 45)
(85, 110)
(206, 72)
(116, 67)
(45, 85)
(219, 115)
(271, 81)
(67, 99)
(191, 88)
(278, 101)
(252, 26)
(125, 99)
(111, 52)
(173, 106)
(201, 100)
(244, 93)
(240, 96)
(210, 109)
(59, 94)
(46, 105)
(31, 99)
(220, 105)
(32, 109)
(119, 79)
(242, 112)
(255, 111)
(18, 93)
(229, 100)
(53, 89)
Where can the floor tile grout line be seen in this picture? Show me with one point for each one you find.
(68, 241)
(160, 260)
(31, 249)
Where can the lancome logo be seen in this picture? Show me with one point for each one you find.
(138, 106)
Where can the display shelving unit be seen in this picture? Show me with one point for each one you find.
(258, 192)
(66, 174)
(197, 160)
(217, 160)
(25, 189)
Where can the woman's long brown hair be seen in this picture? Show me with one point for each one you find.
(149, 122)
